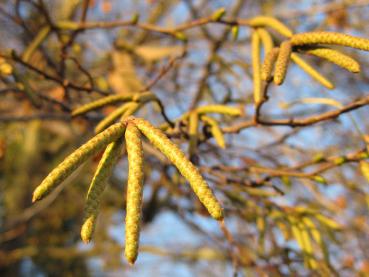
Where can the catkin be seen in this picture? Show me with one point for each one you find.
(74, 160)
(35, 43)
(97, 187)
(266, 39)
(267, 21)
(144, 97)
(185, 167)
(123, 111)
(330, 38)
(268, 65)
(101, 103)
(111, 118)
(218, 14)
(255, 58)
(311, 71)
(137, 97)
(221, 109)
(337, 58)
(193, 125)
(235, 31)
(215, 130)
(131, 110)
(282, 62)
(134, 191)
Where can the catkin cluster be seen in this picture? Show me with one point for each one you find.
(111, 139)
(310, 43)
(185, 167)
(74, 160)
(260, 38)
(193, 119)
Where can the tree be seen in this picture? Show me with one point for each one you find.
(204, 111)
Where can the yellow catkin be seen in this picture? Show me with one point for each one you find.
(215, 130)
(220, 109)
(218, 14)
(138, 97)
(123, 111)
(111, 118)
(97, 187)
(185, 167)
(193, 125)
(35, 43)
(281, 65)
(337, 58)
(144, 97)
(266, 39)
(267, 21)
(268, 65)
(255, 59)
(131, 110)
(74, 160)
(311, 71)
(330, 38)
(134, 191)
(235, 31)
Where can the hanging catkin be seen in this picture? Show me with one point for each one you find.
(311, 71)
(214, 130)
(74, 160)
(267, 21)
(136, 97)
(266, 39)
(193, 125)
(220, 109)
(330, 38)
(185, 167)
(337, 58)
(282, 62)
(111, 118)
(134, 107)
(97, 187)
(122, 111)
(134, 191)
(101, 103)
(268, 65)
(255, 58)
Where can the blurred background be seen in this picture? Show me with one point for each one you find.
(279, 224)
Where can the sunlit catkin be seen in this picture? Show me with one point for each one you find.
(111, 118)
(193, 125)
(215, 130)
(185, 167)
(124, 110)
(337, 58)
(266, 40)
(311, 71)
(97, 187)
(74, 160)
(268, 64)
(134, 191)
(132, 108)
(266, 21)
(255, 58)
(282, 62)
(101, 103)
(220, 109)
(330, 38)
(137, 97)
